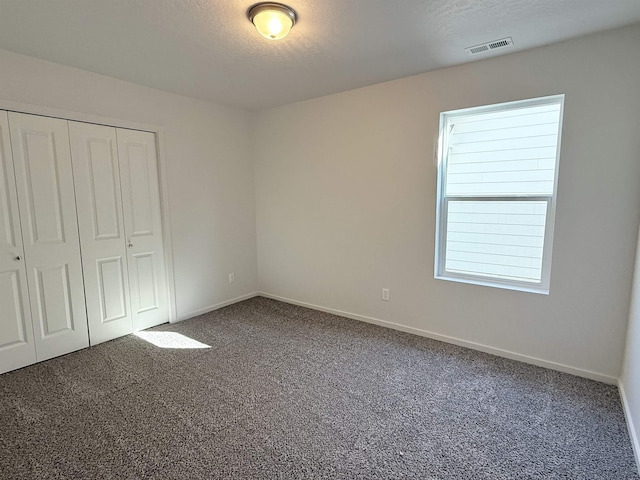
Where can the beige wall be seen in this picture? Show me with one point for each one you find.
(629, 378)
(344, 199)
(210, 172)
(346, 190)
(345, 196)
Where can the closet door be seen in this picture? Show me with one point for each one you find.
(44, 182)
(143, 227)
(17, 348)
(104, 257)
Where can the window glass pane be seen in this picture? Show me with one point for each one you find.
(509, 152)
(496, 239)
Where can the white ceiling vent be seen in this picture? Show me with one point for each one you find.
(486, 47)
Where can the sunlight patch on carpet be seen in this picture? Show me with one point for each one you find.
(170, 340)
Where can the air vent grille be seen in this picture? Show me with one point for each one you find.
(486, 47)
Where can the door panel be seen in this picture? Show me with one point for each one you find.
(11, 322)
(100, 221)
(103, 184)
(44, 182)
(111, 287)
(17, 347)
(9, 226)
(54, 300)
(141, 201)
(145, 276)
(143, 227)
(43, 187)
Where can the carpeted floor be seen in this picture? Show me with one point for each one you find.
(286, 392)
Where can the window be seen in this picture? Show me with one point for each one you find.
(497, 180)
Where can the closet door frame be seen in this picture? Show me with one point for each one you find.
(163, 185)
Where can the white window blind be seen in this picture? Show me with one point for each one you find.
(496, 200)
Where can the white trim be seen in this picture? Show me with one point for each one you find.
(163, 173)
(76, 116)
(450, 277)
(635, 443)
(167, 239)
(217, 306)
(456, 341)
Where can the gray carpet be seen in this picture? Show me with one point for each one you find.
(287, 392)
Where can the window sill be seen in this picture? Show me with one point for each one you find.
(489, 283)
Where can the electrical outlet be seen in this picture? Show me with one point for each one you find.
(232, 277)
(385, 294)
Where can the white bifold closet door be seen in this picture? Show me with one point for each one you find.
(104, 254)
(120, 229)
(16, 339)
(143, 227)
(44, 184)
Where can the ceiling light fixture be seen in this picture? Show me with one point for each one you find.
(272, 20)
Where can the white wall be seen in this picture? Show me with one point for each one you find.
(630, 377)
(346, 190)
(211, 189)
(345, 195)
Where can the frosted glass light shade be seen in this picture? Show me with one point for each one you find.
(272, 20)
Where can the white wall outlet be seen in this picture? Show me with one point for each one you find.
(232, 277)
(385, 294)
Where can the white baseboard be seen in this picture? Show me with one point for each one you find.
(630, 426)
(456, 341)
(211, 308)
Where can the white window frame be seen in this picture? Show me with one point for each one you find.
(443, 200)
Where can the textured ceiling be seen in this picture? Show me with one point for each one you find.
(208, 49)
